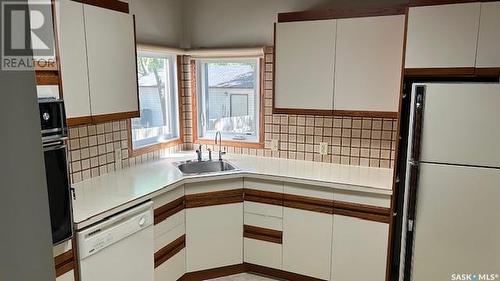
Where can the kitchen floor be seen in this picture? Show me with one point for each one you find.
(242, 277)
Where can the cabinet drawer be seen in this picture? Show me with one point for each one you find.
(163, 238)
(263, 253)
(263, 185)
(308, 191)
(169, 224)
(263, 209)
(213, 186)
(173, 268)
(263, 221)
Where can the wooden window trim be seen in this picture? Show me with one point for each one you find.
(170, 143)
(194, 112)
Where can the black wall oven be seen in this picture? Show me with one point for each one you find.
(54, 134)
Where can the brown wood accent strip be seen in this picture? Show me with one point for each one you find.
(369, 114)
(79, 121)
(47, 77)
(214, 198)
(265, 197)
(416, 3)
(108, 4)
(440, 72)
(342, 13)
(168, 210)
(317, 112)
(64, 263)
(115, 116)
(256, 145)
(165, 253)
(276, 273)
(361, 211)
(213, 273)
(308, 203)
(488, 71)
(263, 234)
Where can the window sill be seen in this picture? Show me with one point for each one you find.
(242, 144)
(153, 147)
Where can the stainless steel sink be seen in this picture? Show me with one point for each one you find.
(204, 167)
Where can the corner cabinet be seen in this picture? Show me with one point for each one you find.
(98, 63)
(305, 64)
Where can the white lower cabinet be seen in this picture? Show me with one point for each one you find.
(173, 269)
(359, 249)
(307, 240)
(214, 236)
(263, 253)
(68, 276)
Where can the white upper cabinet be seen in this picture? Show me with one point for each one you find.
(73, 56)
(111, 61)
(488, 48)
(368, 63)
(305, 63)
(443, 36)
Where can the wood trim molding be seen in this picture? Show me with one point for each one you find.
(114, 5)
(76, 121)
(361, 211)
(416, 3)
(440, 72)
(114, 116)
(165, 253)
(342, 13)
(368, 114)
(488, 72)
(214, 198)
(214, 273)
(263, 234)
(180, 95)
(308, 203)
(276, 273)
(64, 263)
(265, 197)
(194, 99)
(168, 210)
(47, 77)
(317, 112)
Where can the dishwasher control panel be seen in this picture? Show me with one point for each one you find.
(114, 229)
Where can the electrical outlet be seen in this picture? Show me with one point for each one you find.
(274, 145)
(323, 148)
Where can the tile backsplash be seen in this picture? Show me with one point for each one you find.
(98, 149)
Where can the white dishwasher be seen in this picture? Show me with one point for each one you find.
(119, 248)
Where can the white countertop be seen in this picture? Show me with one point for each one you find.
(103, 196)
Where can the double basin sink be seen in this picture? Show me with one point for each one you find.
(204, 167)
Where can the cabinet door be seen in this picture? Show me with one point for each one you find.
(368, 63)
(68, 276)
(359, 244)
(307, 240)
(73, 55)
(305, 55)
(488, 47)
(442, 36)
(111, 61)
(214, 236)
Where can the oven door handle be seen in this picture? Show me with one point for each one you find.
(50, 147)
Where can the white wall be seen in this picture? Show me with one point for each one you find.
(244, 23)
(158, 22)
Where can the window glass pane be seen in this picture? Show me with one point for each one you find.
(230, 97)
(157, 98)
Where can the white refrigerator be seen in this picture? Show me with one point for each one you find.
(451, 224)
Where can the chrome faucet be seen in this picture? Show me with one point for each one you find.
(220, 144)
(199, 152)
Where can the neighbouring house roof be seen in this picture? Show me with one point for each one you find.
(235, 76)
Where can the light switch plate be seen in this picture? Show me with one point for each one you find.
(323, 148)
(274, 145)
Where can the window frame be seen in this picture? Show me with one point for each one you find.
(197, 90)
(177, 87)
